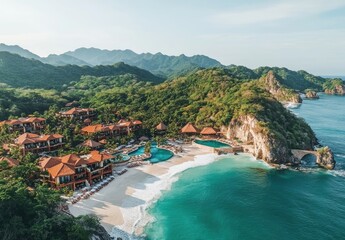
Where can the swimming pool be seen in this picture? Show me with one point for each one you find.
(158, 154)
(212, 143)
(124, 158)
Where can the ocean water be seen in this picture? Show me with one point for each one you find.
(238, 197)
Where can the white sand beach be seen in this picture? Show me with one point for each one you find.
(121, 205)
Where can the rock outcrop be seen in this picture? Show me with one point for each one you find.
(264, 146)
(281, 93)
(325, 158)
(338, 89)
(311, 95)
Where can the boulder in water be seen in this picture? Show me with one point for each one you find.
(311, 95)
(325, 158)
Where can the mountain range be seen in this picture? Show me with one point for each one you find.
(22, 68)
(17, 71)
(158, 64)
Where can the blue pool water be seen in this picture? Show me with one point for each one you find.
(238, 197)
(158, 154)
(211, 143)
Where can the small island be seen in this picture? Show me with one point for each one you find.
(311, 94)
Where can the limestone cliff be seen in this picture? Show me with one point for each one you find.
(266, 146)
(325, 158)
(280, 92)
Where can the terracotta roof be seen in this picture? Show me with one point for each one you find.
(137, 122)
(96, 156)
(103, 141)
(94, 128)
(113, 127)
(11, 122)
(62, 166)
(48, 162)
(33, 138)
(91, 144)
(32, 120)
(161, 127)
(76, 110)
(11, 162)
(189, 128)
(70, 112)
(26, 138)
(61, 170)
(22, 120)
(208, 131)
(73, 160)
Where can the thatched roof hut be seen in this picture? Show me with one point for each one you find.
(161, 127)
(208, 131)
(190, 129)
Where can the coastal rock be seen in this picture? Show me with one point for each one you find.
(338, 89)
(259, 141)
(325, 158)
(280, 92)
(311, 95)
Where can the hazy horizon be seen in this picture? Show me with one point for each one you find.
(295, 34)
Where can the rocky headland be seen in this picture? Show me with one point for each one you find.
(281, 93)
(337, 90)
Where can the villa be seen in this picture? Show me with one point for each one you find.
(23, 125)
(100, 131)
(29, 142)
(78, 113)
(74, 172)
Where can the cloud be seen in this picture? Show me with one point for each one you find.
(277, 11)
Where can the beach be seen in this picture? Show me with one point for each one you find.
(121, 205)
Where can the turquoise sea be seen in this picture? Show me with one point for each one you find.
(238, 197)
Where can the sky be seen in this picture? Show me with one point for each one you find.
(297, 34)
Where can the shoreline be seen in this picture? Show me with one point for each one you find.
(122, 205)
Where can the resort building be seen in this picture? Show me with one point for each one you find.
(74, 172)
(23, 125)
(29, 142)
(100, 131)
(189, 128)
(78, 113)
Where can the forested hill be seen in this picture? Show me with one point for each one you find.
(209, 97)
(17, 71)
(297, 80)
